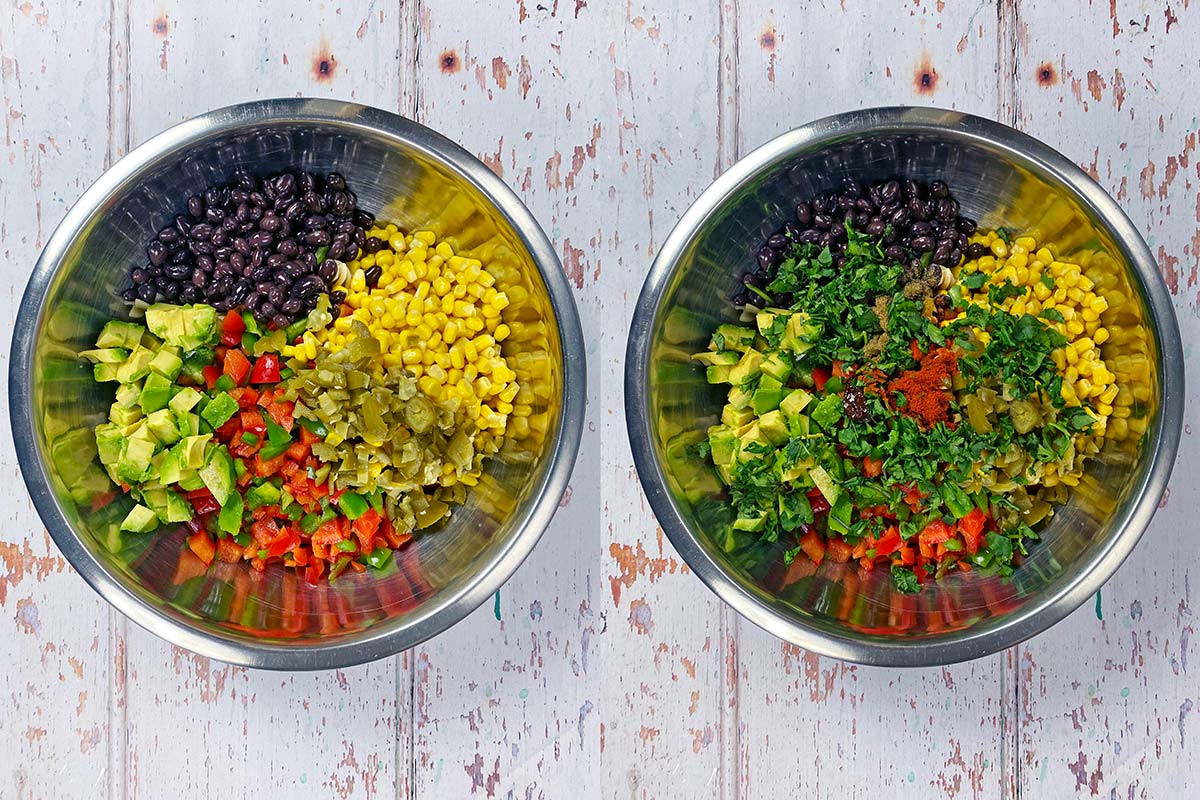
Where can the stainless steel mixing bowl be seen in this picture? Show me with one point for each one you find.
(407, 174)
(1001, 177)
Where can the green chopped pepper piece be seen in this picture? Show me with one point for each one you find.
(379, 557)
(346, 545)
(353, 505)
(230, 520)
(225, 383)
(314, 426)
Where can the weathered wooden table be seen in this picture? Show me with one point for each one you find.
(604, 668)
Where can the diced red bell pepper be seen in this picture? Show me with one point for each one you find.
(202, 545)
(813, 545)
(889, 543)
(313, 573)
(266, 369)
(281, 412)
(365, 527)
(908, 556)
(206, 505)
(971, 528)
(236, 365)
(837, 551)
(864, 544)
(329, 533)
(229, 551)
(265, 531)
(307, 436)
(252, 422)
(287, 540)
(245, 396)
(297, 452)
(935, 533)
(267, 468)
(232, 328)
(211, 373)
(820, 376)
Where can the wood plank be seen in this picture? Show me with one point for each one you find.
(219, 728)
(57, 653)
(601, 120)
(817, 726)
(1108, 705)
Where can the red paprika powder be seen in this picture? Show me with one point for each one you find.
(926, 389)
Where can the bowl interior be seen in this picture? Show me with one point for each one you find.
(997, 187)
(403, 179)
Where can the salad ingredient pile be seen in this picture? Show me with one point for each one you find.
(299, 409)
(912, 407)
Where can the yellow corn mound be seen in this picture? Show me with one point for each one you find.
(438, 315)
(1056, 286)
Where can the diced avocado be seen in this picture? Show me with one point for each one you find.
(106, 355)
(184, 400)
(827, 412)
(799, 425)
(746, 368)
(264, 494)
(775, 365)
(193, 451)
(166, 363)
(128, 394)
(103, 373)
(186, 327)
(732, 337)
(767, 395)
(774, 427)
(168, 505)
(717, 373)
(140, 519)
(90, 484)
(219, 410)
(188, 424)
(723, 443)
(71, 452)
(123, 417)
(749, 436)
(723, 358)
(736, 418)
(795, 402)
(230, 519)
(108, 443)
(117, 333)
(750, 523)
(822, 480)
(189, 480)
(801, 333)
(134, 461)
(167, 466)
(740, 398)
(792, 472)
(218, 475)
(162, 424)
(137, 366)
(765, 319)
(736, 539)
(156, 393)
(141, 430)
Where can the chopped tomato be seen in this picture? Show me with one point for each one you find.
(232, 328)
(236, 365)
(872, 467)
(266, 369)
(211, 373)
(202, 545)
(820, 375)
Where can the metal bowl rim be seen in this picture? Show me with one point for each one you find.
(422, 624)
(1162, 442)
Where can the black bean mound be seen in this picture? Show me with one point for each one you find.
(917, 224)
(253, 243)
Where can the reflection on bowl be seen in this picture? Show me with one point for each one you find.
(412, 177)
(1001, 178)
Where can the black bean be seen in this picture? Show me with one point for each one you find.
(922, 244)
(364, 219)
(328, 271)
(310, 284)
(270, 222)
(942, 302)
(139, 276)
(285, 183)
(373, 244)
(280, 321)
(266, 310)
(191, 294)
(168, 236)
(939, 189)
(874, 227)
(318, 238)
(169, 290)
(335, 181)
(276, 295)
(977, 250)
(913, 190)
(810, 236)
(337, 298)
(921, 229)
(336, 250)
(292, 306)
(941, 253)
(955, 257)
(178, 271)
(373, 274)
(147, 292)
(260, 239)
(822, 221)
(351, 252)
(894, 253)
(778, 241)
